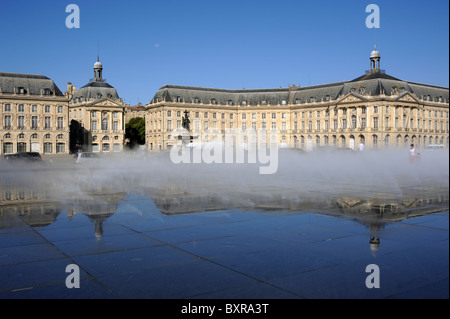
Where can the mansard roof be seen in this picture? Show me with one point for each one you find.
(32, 84)
(95, 91)
(371, 84)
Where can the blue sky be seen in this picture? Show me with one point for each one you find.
(224, 44)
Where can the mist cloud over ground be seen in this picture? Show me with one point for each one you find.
(317, 174)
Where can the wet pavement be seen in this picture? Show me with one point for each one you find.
(177, 240)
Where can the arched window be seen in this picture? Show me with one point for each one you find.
(105, 138)
(343, 140)
(375, 141)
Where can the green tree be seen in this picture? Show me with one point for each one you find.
(135, 131)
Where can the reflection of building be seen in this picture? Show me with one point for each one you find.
(374, 241)
(97, 115)
(34, 203)
(33, 115)
(98, 206)
(376, 213)
(376, 108)
(372, 213)
(34, 214)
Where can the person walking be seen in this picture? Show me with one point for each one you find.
(412, 153)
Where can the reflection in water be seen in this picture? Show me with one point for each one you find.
(39, 196)
(38, 206)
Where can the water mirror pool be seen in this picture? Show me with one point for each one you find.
(156, 230)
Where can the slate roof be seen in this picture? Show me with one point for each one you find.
(370, 84)
(95, 90)
(32, 83)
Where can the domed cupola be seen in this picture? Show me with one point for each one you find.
(375, 60)
(98, 68)
(96, 89)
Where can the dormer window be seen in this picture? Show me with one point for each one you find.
(264, 102)
(21, 90)
(213, 101)
(47, 92)
(244, 103)
(99, 95)
(283, 102)
(109, 96)
(311, 99)
(230, 102)
(179, 99)
(297, 101)
(196, 100)
(327, 98)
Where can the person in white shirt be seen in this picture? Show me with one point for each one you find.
(361, 147)
(412, 153)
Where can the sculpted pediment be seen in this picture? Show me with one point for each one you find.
(106, 102)
(408, 97)
(351, 97)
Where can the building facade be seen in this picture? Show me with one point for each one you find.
(33, 115)
(96, 114)
(377, 109)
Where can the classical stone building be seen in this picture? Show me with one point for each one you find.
(96, 115)
(33, 115)
(132, 112)
(376, 108)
